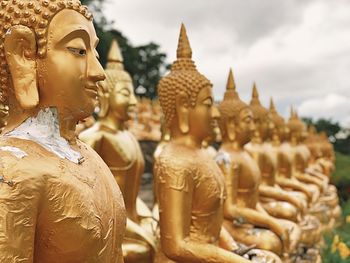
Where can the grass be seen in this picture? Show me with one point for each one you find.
(341, 235)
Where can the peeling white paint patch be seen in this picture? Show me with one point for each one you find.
(18, 153)
(44, 130)
(223, 158)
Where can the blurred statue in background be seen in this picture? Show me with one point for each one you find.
(310, 225)
(58, 200)
(326, 206)
(189, 185)
(245, 219)
(276, 201)
(110, 138)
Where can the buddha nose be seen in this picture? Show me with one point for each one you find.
(252, 126)
(133, 100)
(215, 114)
(95, 70)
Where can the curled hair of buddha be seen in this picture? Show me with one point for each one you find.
(183, 78)
(275, 117)
(36, 15)
(231, 105)
(258, 110)
(114, 73)
(294, 123)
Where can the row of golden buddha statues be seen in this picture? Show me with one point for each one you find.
(264, 196)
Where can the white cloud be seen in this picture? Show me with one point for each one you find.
(296, 50)
(327, 107)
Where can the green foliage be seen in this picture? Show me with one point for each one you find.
(146, 63)
(341, 176)
(343, 232)
(332, 129)
(324, 125)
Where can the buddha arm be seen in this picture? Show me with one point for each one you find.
(226, 241)
(296, 185)
(136, 231)
(281, 195)
(18, 217)
(309, 179)
(258, 219)
(175, 205)
(319, 175)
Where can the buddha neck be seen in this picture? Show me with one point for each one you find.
(256, 138)
(233, 145)
(294, 141)
(276, 141)
(186, 139)
(44, 129)
(18, 115)
(113, 123)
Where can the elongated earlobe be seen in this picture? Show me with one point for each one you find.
(231, 133)
(20, 49)
(103, 97)
(182, 113)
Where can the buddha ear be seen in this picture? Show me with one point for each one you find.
(230, 129)
(103, 98)
(182, 110)
(20, 50)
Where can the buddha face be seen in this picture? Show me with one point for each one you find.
(122, 100)
(270, 126)
(69, 73)
(264, 126)
(280, 131)
(304, 133)
(245, 126)
(203, 116)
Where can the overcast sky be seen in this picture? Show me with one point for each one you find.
(298, 51)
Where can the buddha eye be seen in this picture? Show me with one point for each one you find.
(77, 51)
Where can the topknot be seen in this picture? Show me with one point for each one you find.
(231, 105)
(259, 111)
(183, 78)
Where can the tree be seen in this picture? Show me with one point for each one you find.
(146, 63)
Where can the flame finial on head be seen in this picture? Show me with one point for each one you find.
(292, 112)
(231, 92)
(255, 101)
(114, 54)
(230, 81)
(115, 57)
(272, 105)
(184, 48)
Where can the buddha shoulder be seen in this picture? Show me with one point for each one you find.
(177, 165)
(23, 163)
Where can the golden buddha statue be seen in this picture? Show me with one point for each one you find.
(3, 115)
(245, 219)
(276, 201)
(325, 206)
(110, 138)
(189, 184)
(58, 200)
(284, 174)
(309, 224)
(302, 154)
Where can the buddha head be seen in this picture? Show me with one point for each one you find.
(186, 97)
(117, 97)
(297, 128)
(279, 124)
(236, 118)
(48, 59)
(262, 119)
